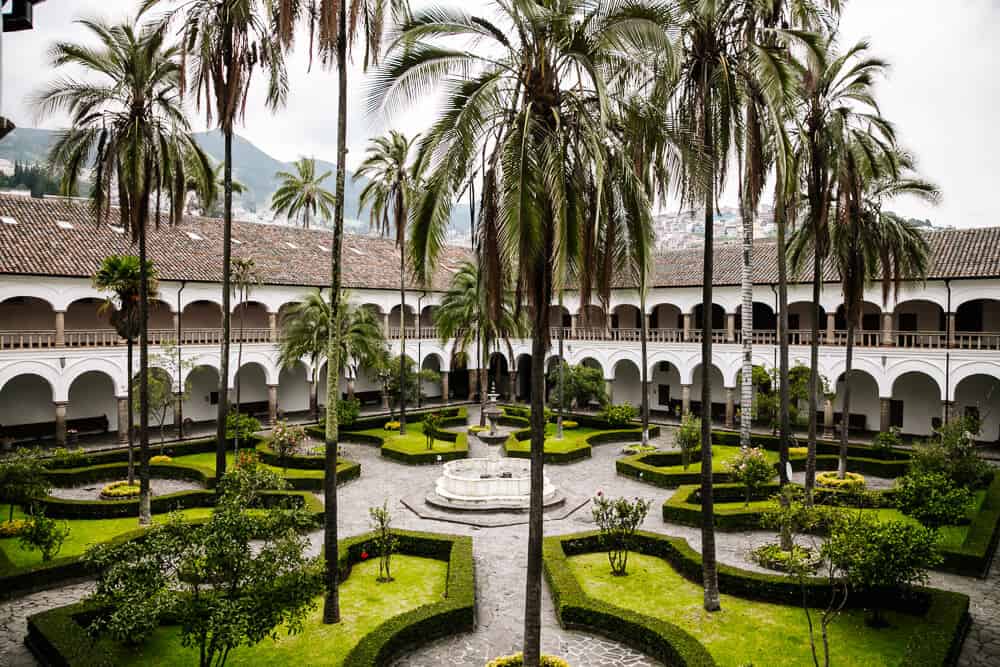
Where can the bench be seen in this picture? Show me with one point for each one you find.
(253, 408)
(45, 430)
(368, 397)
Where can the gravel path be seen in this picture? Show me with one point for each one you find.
(158, 486)
(500, 567)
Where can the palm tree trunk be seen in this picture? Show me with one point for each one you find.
(145, 515)
(710, 575)
(845, 412)
(402, 339)
(239, 365)
(645, 367)
(131, 418)
(813, 376)
(331, 601)
(480, 377)
(533, 583)
(227, 243)
(562, 386)
(746, 330)
(783, 389)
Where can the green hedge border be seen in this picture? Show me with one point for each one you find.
(44, 575)
(972, 559)
(512, 419)
(56, 637)
(946, 612)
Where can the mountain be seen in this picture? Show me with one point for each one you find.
(251, 166)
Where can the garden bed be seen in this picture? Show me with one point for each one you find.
(433, 596)
(576, 443)
(657, 609)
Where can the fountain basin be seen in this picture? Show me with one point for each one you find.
(489, 484)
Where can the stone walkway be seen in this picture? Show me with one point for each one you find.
(500, 568)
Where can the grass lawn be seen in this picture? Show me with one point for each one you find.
(744, 631)
(721, 456)
(414, 442)
(206, 461)
(83, 533)
(364, 605)
(573, 438)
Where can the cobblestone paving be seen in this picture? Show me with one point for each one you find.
(499, 557)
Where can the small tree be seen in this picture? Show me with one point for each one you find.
(432, 424)
(688, 438)
(880, 556)
(618, 520)
(22, 479)
(800, 568)
(241, 427)
(44, 534)
(790, 515)
(932, 498)
(163, 394)
(384, 543)
(221, 592)
(751, 469)
(286, 438)
(620, 415)
(348, 411)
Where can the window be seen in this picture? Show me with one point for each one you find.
(896, 413)
(663, 392)
(213, 398)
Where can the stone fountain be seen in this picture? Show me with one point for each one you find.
(492, 412)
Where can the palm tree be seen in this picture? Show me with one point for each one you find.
(531, 98)
(119, 274)
(301, 194)
(127, 121)
(867, 243)
(835, 103)
(212, 207)
(328, 20)
(245, 278)
(224, 43)
(306, 334)
(393, 178)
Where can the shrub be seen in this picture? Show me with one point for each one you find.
(773, 557)
(12, 528)
(384, 542)
(517, 660)
(348, 411)
(23, 479)
(569, 424)
(887, 440)
(631, 450)
(432, 424)
(286, 438)
(478, 429)
(43, 534)
(120, 489)
(160, 458)
(243, 483)
(688, 438)
(953, 453)
(933, 499)
(751, 469)
(620, 415)
(618, 520)
(798, 451)
(391, 426)
(69, 458)
(240, 426)
(851, 481)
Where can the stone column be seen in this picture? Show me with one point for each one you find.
(122, 420)
(179, 413)
(609, 388)
(60, 328)
(574, 321)
(831, 328)
(177, 322)
(444, 386)
(473, 382)
(272, 403)
(951, 329)
(513, 386)
(61, 422)
(884, 413)
(828, 430)
(731, 327)
(731, 407)
(272, 323)
(888, 339)
(386, 318)
(687, 327)
(685, 399)
(608, 323)
(313, 399)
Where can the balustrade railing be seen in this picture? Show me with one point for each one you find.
(921, 339)
(27, 339)
(965, 340)
(666, 335)
(393, 333)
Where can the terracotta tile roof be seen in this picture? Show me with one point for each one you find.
(38, 245)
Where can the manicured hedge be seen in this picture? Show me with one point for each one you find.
(430, 457)
(947, 613)
(454, 416)
(650, 468)
(581, 452)
(110, 471)
(120, 455)
(973, 558)
(58, 636)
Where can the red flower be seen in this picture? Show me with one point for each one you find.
(600, 493)
(364, 555)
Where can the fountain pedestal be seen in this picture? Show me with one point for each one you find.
(489, 484)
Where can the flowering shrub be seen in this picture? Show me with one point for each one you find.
(391, 426)
(798, 451)
(618, 520)
(688, 438)
(160, 458)
(247, 458)
(620, 415)
(240, 426)
(852, 481)
(120, 489)
(286, 438)
(751, 469)
(887, 440)
(13, 527)
(517, 660)
(638, 449)
(569, 423)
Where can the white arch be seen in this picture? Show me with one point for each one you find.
(833, 369)
(619, 355)
(920, 367)
(259, 358)
(442, 366)
(202, 360)
(687, 374)
(43, 370)
(663, 355)
(967, 370)
(102, 365)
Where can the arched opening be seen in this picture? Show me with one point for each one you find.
(977, 324)
(718, 317)
(800, 321)
(978, 397)
(498, 378)
(431, 390)
(201, 404)
(251, 385)
(201, 322)
(559, 317)
(523, 388)
(26, 322)
(665, 395)
(764, 320)
(394, 321)
(591, 317)
(458, 378)
(92, 403)
(919, 323)
(293, 389)
(625, 322)
(427, 326)
(718, 408)
(870, 332)
(916, 404)
(161, 318)
(865, 410)
(250, 321)
(551, 376)
(666, 316)
(627, 384)
(26, 409)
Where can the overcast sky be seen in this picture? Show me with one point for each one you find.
(942, 93)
